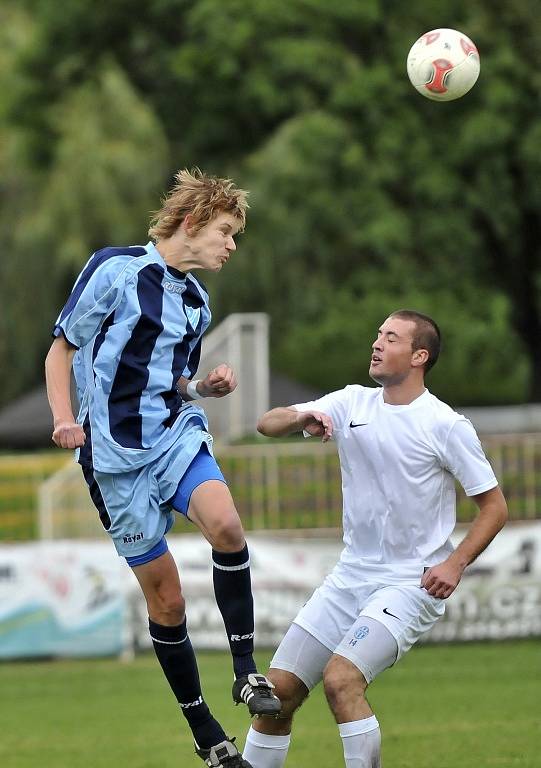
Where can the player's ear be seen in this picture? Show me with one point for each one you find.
(420, 358)
(187, 224)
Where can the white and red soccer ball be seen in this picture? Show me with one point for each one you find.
(443, 64)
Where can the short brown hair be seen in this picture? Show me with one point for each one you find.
(201, 196)
(426, 336)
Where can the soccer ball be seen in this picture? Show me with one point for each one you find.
(443, 64)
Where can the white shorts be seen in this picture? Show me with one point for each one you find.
(371, 650)
(335, 612)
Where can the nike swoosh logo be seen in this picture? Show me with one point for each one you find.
(362, 424)
(390, 614)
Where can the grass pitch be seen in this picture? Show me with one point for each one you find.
(467, 706)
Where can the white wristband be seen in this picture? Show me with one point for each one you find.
(191, 390)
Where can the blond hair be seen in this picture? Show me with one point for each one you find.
(201, 196)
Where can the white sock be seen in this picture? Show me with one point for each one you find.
(362, 742)
(264, 751)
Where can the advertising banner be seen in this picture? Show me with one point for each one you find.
(499, 595)
(60, 599)
(74, 598)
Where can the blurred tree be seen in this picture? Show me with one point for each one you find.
(109, 159)
(427, 196)
(501, 164)
(331, 353)
(365, 195)
(21, 300)
(106, 167)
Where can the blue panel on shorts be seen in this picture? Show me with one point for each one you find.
(159, 549)
(202, 468)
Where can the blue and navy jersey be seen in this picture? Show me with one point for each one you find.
(137, 326)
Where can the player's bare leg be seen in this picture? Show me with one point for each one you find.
(267, 742)
(345, 688)
(159, 579)
(212, 509)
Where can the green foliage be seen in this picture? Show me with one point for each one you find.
(107, 163)
(110, 158)
(365, 196)
(477, 346)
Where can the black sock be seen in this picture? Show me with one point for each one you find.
(177, 658)
(233, 590)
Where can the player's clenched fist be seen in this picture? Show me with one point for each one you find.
(68, 434)
(219, 382)
(442, 580)
(316, 424)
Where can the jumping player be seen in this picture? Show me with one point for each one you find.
(132, 330)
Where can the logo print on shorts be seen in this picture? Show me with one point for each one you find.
(133, 537)
(359, 634)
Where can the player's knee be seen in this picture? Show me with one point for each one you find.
(290, 690)
(340, 678)
(227, 534)
(167, 607)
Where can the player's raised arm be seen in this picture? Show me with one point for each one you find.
(280, 422)
(67, 433)
(441, 580)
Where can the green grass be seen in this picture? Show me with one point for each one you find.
(467, 706)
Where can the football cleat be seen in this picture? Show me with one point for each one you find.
(223, 755)
(255, 691)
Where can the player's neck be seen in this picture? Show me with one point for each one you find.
(176, 254)
(404, 393)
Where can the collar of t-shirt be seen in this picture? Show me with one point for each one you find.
(172, 271)
(419, 402)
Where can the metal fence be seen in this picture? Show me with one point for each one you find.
(279, 485)
(20, 479)
(297, 485)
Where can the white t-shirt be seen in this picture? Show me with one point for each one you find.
(398, 466)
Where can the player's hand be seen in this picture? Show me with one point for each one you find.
(442, 580)
(221, 381)
(316, 424)
(68, 434)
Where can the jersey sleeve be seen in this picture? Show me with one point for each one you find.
(335, 405)
(95, 295)
(466, 460)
